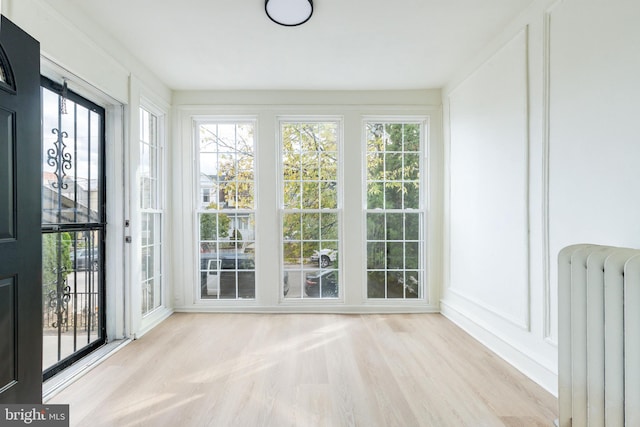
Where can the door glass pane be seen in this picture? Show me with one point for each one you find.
(73, 226)
(72, 293)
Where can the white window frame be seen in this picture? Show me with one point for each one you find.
(313, 118)
(423, 207)
(157, 208)
(197, 121)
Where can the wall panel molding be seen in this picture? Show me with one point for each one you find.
(549, 335)
(515, 50)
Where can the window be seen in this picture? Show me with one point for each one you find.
(310, 204)
(150, 172)
(394, 212)
(227, 223)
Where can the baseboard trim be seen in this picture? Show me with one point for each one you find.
(520, 360)
(68, 376)
(313, 309)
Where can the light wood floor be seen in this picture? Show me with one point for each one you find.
(306, 370)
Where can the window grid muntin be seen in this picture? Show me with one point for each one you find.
(381, 153)
(151, 210)
(328, 203)
(240, 211)
(234, 150)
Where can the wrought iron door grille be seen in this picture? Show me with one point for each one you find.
(73, 227)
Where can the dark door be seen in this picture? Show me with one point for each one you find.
(20, 211)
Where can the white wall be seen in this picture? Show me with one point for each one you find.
(543, 152)
(99, 68)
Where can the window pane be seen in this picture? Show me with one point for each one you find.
(393, 195)
(393, 215)
(292, 191)
(151, 220)
(376, 255)
(292, 227)
(226, 218)
(376, 284)
(395, 226)
(375, 166)
(411, 169)
(375, 195)
(412, 226)
(310, 185)
(328, 165)
(411, 195)
(329, 195)
(310, 226)
(329, 226)
(412, 254)
(375, 226)
(310, 195)
(412, 284)
(293, 253)
(411, 137)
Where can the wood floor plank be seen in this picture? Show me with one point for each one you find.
(306, 370)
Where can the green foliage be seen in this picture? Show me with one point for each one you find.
(310, 173)
(234, 164)
(236, 235)
(213, 226)
(393, 176)
(56, 250)
(393, 165)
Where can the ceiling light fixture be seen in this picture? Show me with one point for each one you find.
(289, 12)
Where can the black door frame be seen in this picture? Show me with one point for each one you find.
(89, 226)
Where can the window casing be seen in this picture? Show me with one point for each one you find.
(395, 212)
(151, 211)
(311, 207)
(226, 219)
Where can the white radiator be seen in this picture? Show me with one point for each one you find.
(599, 336)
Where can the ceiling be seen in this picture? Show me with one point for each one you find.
(346, 45)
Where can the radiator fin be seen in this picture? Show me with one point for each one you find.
(599, 336)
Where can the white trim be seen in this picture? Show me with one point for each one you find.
(268, 296)
(312, 308)
(338, 210)
(147, 319)
(483, 305)
(153, 319)
(545, 376)
(50, 69)
(423, 207)
(548, 334)
(65, 378)
(196, 197)
(117, 321)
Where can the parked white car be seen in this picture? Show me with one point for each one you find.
(324, 257)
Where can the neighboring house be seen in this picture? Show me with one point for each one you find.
(78, 199)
